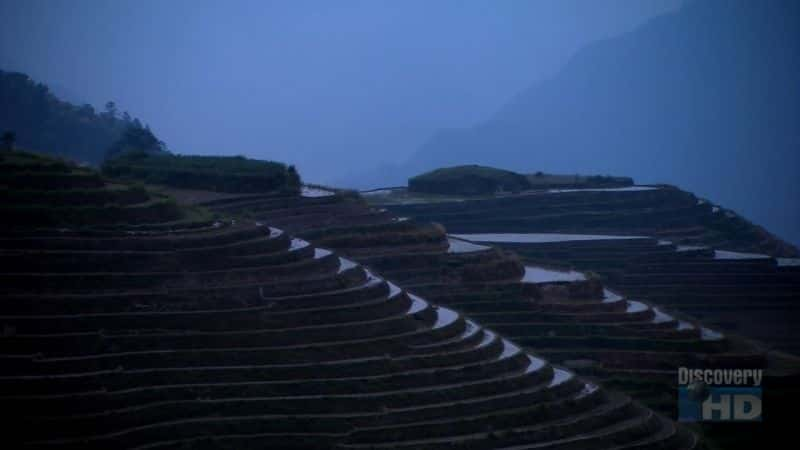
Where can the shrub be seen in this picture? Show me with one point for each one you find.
(215, 173)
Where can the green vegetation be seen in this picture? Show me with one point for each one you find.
(468, 180)
(136, 139)
(39, 191)
(540, 180)
(32, 117)
(481, 180)
(214, 173)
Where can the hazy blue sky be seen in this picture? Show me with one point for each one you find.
(333, 86)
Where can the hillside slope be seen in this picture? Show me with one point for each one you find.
(44, 123)
(674, 292)
(705, 98)
(229, 333)
(632, 345)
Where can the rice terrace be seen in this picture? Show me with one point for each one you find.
(370, 231)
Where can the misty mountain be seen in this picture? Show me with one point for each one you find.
(706, 98)
(44, 123)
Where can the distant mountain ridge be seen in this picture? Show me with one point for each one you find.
(705, 98)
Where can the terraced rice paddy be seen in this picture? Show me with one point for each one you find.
(540, 238)
(698, 288)
(412, 255)
(273, 324)
(712, 267)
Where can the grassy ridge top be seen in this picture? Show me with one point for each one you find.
(214, 173)
(541, 180)
(482, 180)
(38, 191)
(468, 180)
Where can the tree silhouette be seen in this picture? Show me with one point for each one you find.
(111, 109)
(293, 178)
(44, 123)
(8, 140)
(136, 139)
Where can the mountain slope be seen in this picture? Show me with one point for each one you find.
(704, 98)
(42, 122)
(218, 331)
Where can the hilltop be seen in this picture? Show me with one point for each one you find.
(48, 192)
(468, 180)
(233, 174)
(483, 180)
